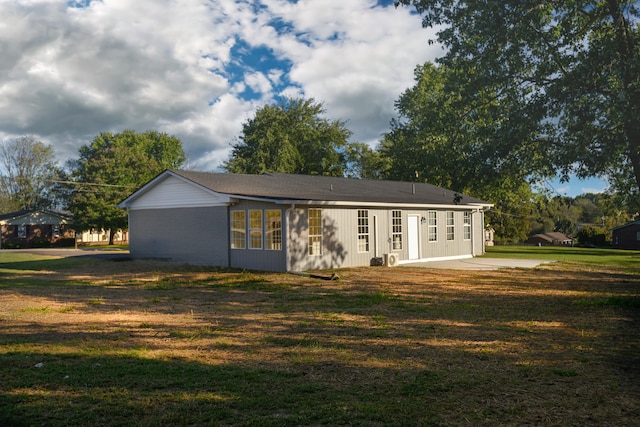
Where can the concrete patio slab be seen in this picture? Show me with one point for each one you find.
(480, 263)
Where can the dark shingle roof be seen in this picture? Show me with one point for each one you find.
(327, 189)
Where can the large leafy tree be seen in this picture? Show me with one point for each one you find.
(113, 166)
(446, 139)
(568, 69)
(28, 175)
(292, 136)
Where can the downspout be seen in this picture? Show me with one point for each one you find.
(473, 233)
(286, 241)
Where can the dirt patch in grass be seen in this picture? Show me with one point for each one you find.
(148, 343)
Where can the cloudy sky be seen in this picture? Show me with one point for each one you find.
(198, 69)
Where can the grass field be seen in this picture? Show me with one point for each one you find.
(89, 342)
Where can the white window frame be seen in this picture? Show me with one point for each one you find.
(432, 226)
(466, 230)
(238, 238)
(255, 229)
(451, 226)
(314, 216)
(396, 230)
(273, 225)
(363, 231)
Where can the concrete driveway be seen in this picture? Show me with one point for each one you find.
(480, 263)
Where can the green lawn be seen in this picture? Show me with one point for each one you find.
(602, 258)
(143, 343)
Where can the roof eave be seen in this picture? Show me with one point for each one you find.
(379, 204)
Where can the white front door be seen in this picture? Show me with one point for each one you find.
(414, 236)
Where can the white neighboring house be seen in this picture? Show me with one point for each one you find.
(102, 237)
(281, 222)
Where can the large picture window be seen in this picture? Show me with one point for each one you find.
(451, 226)
(255, 229)
(396, 230)
(363, 231)
(315, 232)
(274, 229)
(238, 230)
(467, 226)
(432, 226)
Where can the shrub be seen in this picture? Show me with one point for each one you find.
(590, 235)
(66, 242)
(11, 245)
(40, 243)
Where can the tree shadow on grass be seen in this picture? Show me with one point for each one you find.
(70, 389)
(498, 348)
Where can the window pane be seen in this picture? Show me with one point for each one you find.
(315, 232)
(433, 226)
(238, 230)
(363, 231)
(255, 229)
(396, 230)
(274, 230)
(450, 226)
(467, 225)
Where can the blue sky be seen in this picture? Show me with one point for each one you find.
(198, 69)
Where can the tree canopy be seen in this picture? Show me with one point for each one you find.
(445, 139)
(292, 136)
(568, 71)
(28, 172)
(111, 168)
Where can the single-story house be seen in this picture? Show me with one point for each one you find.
(30, 228)
(283, 222)
(44, 228)
(550, 238)
(626, 236)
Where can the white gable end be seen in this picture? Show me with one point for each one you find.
(173, 192)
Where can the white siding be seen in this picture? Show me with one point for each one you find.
(174, 192)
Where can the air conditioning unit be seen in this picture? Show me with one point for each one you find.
(391, 260)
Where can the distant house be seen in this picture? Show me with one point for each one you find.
(551, 238)
(35, 228)
(626, 236)
(280, 222)
(101, 237)
(45, 228)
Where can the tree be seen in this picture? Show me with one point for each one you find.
(113, 166)
(28, 172)
(290, 137)
(445, 139)
(363, 162)
(570, 70)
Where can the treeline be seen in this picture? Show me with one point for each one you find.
(292, 136)
(106, 171)
(525, 91)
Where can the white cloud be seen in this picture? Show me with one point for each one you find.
(69, 73)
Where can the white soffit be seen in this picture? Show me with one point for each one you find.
(174, 192)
